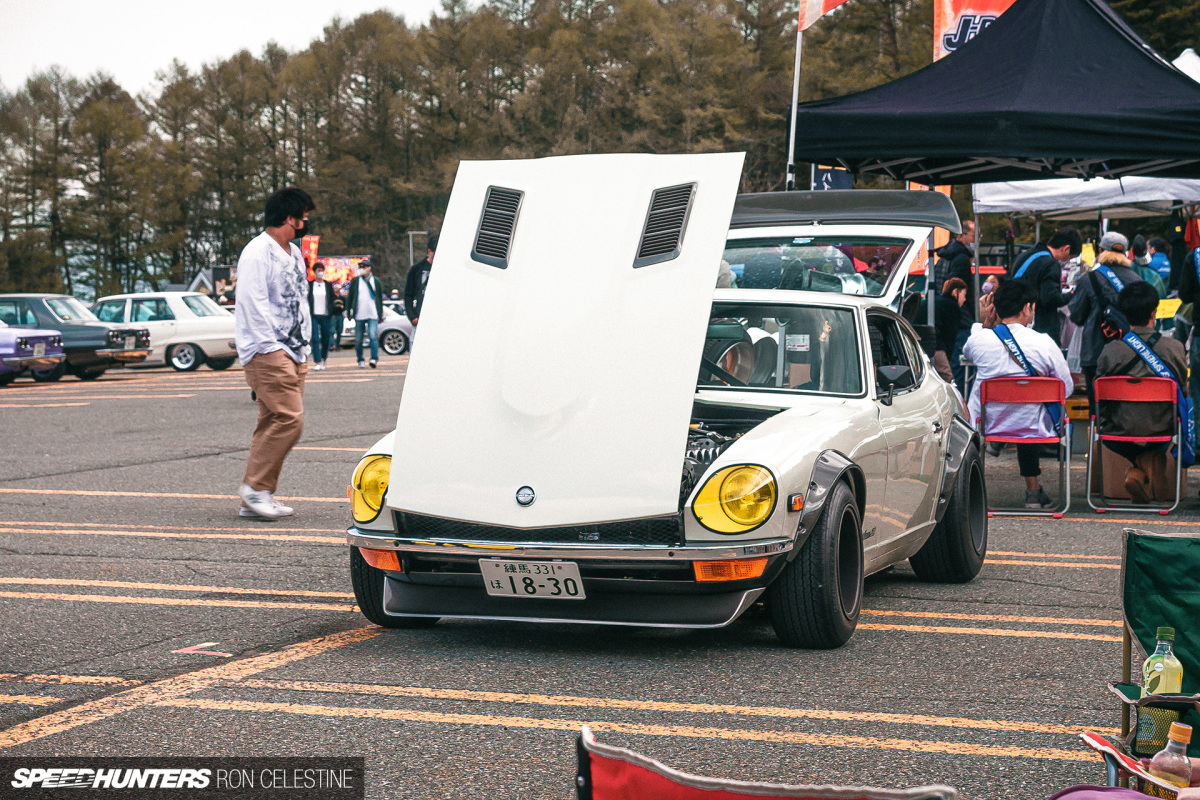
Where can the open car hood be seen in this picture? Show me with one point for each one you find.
(562, 357)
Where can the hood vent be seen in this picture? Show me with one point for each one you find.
(494, 237)
(662, 235)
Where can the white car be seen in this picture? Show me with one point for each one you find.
(187, 329)
(395, 333)
(591, 435)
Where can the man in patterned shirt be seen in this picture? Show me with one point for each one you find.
(271, 329)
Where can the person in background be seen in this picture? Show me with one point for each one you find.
(1094, 293)
(1146, 478)
(1014, 303)
(1189, 292)
(957, 255)
(1041, 267)
(270, 323)
(414, 284)
(364, 303)
(1160, 258)
(320, 308)
(946, 318)
(1141, 265)
(340, 290)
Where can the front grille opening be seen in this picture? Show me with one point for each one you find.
(664, 531)
(662, 235)
(493, 240)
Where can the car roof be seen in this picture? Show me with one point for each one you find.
(147, 294)
(896, 207)
(792, 297)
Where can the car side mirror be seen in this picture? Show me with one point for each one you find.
(892, 377)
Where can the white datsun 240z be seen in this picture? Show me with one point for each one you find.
(558, 459)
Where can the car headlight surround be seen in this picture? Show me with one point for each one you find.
(736, 499)
(369, 487)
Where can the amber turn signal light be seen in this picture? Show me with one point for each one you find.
(384, 559)
(796, 502)
(729, 570)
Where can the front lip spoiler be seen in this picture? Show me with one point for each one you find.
(714, 552)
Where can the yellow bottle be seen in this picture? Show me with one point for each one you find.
(1171, 764)
(1161, 672)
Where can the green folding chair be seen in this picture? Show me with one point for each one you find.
(1160, 585)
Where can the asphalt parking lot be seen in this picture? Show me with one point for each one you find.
(142, 616)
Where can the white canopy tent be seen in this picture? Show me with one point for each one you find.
(1074, 199)
(1189, 63)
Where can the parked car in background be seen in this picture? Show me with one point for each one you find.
(187, 329)
(91, 346)
(395, 305)
(27, 348)
(395, 332)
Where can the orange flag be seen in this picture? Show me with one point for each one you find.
(813, 10)
(955, 22)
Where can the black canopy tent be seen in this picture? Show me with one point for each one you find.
(1053, 88)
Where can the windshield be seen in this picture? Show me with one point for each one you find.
(846, 264)
(203, 306)
(820, 349)
(68, 308)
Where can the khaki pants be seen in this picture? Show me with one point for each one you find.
(278, 381)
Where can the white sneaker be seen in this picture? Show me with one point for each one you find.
(320, 365)
(258, 504)
(284, 511)
(362, 364)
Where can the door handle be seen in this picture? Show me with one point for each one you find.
(937, 427)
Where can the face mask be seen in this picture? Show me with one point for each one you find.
(303, 229)
(320, 276)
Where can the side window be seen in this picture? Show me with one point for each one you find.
(163, 309)
(889, 349)
(17, 313)
(150, 309)
(111, 311)
(914, 353)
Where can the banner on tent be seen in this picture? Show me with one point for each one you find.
(813, 10)
(956, 22)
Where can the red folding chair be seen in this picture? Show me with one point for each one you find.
(614, 773)
(1031, 391)
(1124, 389)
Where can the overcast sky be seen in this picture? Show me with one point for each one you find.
(133, 39)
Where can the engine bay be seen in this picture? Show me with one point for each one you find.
(713, 429)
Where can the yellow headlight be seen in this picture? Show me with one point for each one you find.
(370, 485)
(736, 499)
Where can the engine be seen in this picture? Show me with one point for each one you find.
(703, 447)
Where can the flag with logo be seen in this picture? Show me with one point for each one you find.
(956, 22)
(813, 10)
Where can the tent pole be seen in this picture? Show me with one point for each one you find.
(789, 180)
(977, 262)
(1037, 231)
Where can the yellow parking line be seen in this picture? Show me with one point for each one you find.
(338, 449)
(131, 526)
(176, 687)
(261, 537)
(41, 405)
(171, 495)
(384, 690)
(173, 601)
(1052, 555)
(28, 700)
(79, 680)
(785, 737)
(172, 587)
(1108, 623)
(1020, 563)
(1096, 637)
(121, 396)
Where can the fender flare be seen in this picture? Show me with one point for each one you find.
(961, 436)
(830, 468)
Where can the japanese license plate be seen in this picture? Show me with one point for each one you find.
(39, 350)
(130, 342)
(554, 580)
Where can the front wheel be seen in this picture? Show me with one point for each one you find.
(955, 550)
(394, 343)
(221, 363)
(7, 377)
(185, 357)
(50, 375)
(816, 600)
(368, 593)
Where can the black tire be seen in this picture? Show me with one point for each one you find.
(7, 378)
(89, 374)
(50, 375)
(221, 363)
(816, 600)
(955, 551)
(185, 357)
(368, 593)
(394, 343)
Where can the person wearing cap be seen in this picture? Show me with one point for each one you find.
(365, 304)
(1111, 273)
(414, 284)
(1041, 267)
